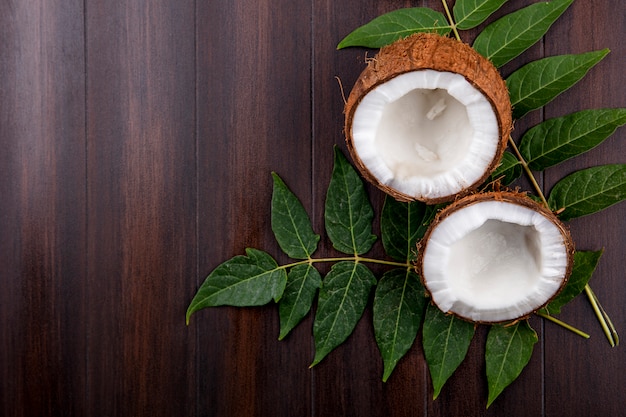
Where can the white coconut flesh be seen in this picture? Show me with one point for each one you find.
(426, 133)
(494, 261)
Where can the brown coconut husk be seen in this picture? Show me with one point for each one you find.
(507, 196)
(431, 51)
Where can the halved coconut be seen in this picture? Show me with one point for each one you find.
(428, 119)
(495, 257)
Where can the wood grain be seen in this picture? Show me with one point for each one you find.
(141, 197)
(42, 209)
(137, 140)
(573, 368)
(254, 117)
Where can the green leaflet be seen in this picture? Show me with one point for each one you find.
(507, 352)
(394, 25)
(584, 265)
(242, 281)
(303, 282)
(399, 301)
(398, 311)
(539, 82)
(342, 300)
(470, 13)
(290, 223)
(348, 213)
(559, 139)
(588, 191)
(512, 34)
(402, 225)
(509, 169)
(446, 340)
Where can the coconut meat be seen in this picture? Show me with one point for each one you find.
(494, 261)
(426, 133)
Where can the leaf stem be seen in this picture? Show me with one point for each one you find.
(562, 324)
(529, 173)
(605, 321)
(603, 318)
(383, 262)
(355, 258)
(451, 20)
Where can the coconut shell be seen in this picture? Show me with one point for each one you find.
(509, 197)
(431, 51)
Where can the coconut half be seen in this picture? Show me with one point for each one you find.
(428, 119)
(495, 257)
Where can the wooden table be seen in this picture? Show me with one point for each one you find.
(136, 144)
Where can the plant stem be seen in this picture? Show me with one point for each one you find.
(562, 324)
(605, 321)
(355, 258)
(407, 265)
(383, 262)
(451, 20)
(529, 173)
(603, 318)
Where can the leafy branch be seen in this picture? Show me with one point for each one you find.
(532, 87)
(400, 306)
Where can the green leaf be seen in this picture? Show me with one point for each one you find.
(446, 340)
(514, 33)
(470, 13)
(507, 352)
(290, 223)
(584, 265)
(342, 300)
(394, 25)
(559, 139)
(539, 82)
(348, 213)
(588, 191)
(303, 282)
(509, 169)
(398, 311)
(402, 225)
(242, 281)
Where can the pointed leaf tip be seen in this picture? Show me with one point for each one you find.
(303, 281)
(342, 300)
(507, 352)
(398, 311)
(290, 222)
(389, 27)
(348, 214)
(470, 13)
(539, 82)
(588, 191)
(243, 281)
(558, 139)
(446, 340)
(512, 34)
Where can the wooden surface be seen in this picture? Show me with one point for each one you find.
(136, 144)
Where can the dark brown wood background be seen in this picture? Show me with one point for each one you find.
(136, 144)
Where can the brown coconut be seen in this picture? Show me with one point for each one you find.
(478, 248)
(431, 51)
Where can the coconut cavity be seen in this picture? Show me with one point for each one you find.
(423, 133)
(426, 133)
(428, 119)
(495, 258)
